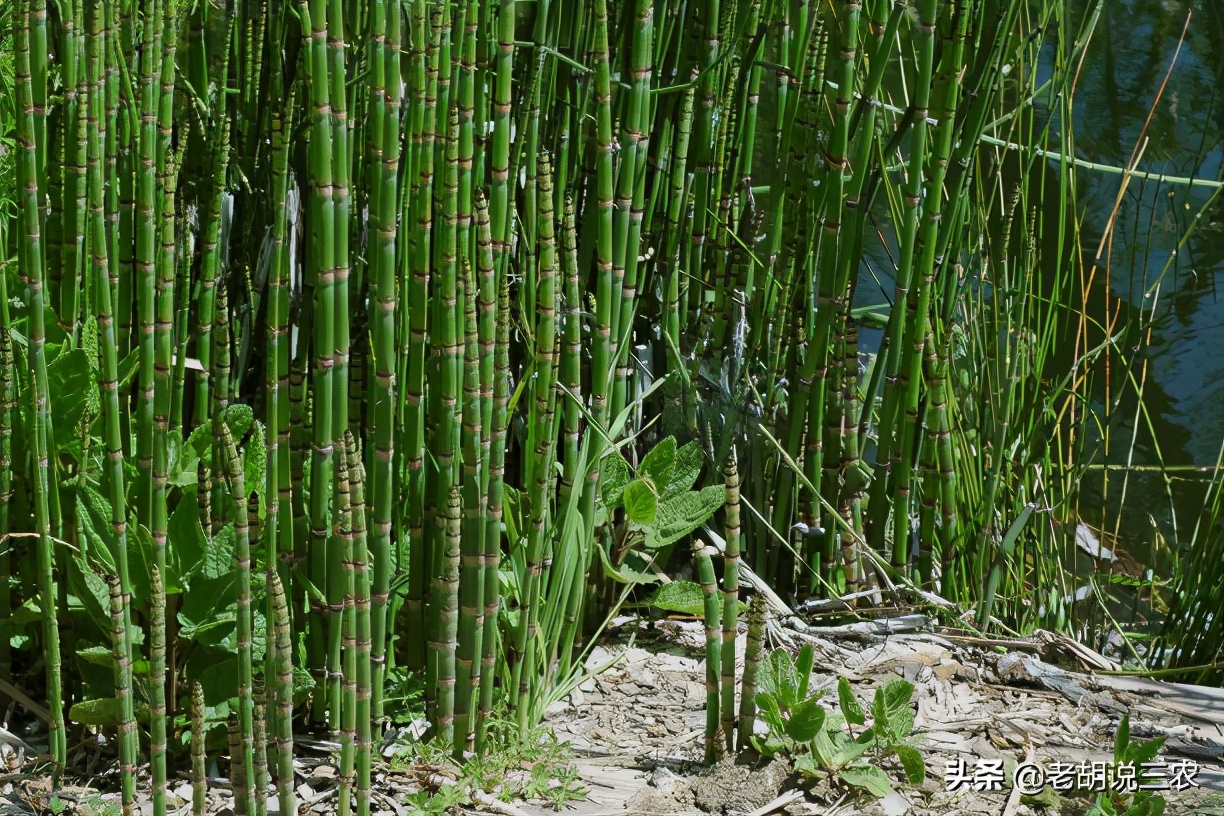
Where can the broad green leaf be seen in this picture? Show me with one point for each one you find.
(779, 678)
(207, 605)
(214, 630)
(185, 539)
(805, 721)
(767, 708)
(254, 463)
(198, 442)
(837, 748)
(609, 570)
(98, 656)
(613, 476)
(1140, 752)
(1122, 739)
(93, 514)
(879, 711)
(685, 469)
(140, 562)
(71, 380)
(851, 710)
(176, 475)
(869, 777)
(849, 750)
(218, 558)
(105, 712)
(258, 636)
(900, 724)
(897, 694)
(657, 464)
(803, 669)
(807, 764)
(239, 418)
(911, 761)
(682, 514)
(641, 503)
(303, 684)
(91, 590)
(218, 676)
(824, 750)
(684, 597)
(1152, 806)
(634, 574)
(767, 747)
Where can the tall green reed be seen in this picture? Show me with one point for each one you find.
(491, 242)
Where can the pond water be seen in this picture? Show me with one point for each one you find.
(1176, 288)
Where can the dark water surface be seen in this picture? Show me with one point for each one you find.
(1177, 289)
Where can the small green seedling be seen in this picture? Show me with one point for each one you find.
(1132, 753)
(823, 743)
(889, 734)
(793, 715)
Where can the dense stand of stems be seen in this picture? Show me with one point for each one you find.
(394, 326)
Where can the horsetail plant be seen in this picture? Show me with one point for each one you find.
(731, 603)
(128, 737)
(242, 561)
(199, 753)
(753, 650)
(433, 481)
(33, 272)
(281, 680)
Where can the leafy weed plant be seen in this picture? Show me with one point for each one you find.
(538, 767)
(1133, 754)
(823, 743)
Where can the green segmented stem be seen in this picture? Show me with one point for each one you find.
(242, 563)
(606, 293)
(444, 626)
(146, 240)
(635, 148)
(346, 680)
(499, 163)
(278, 495)
(163, 387)
(321, 270)
(199, 755)
(8, 402)
(493, 524)
(425, 98)
(752, 662)
(571, 374)
(730, 609)
(260, 785)
(713, 632)
(109, 369)
(915, 275)
(210, 269)
(672, 311)
(539, 487)
(472, 552)
(282, 692)
(128, 739)
(157, 689)
(444, 437)
(362, 648)
(382, 274)
(239, 760)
